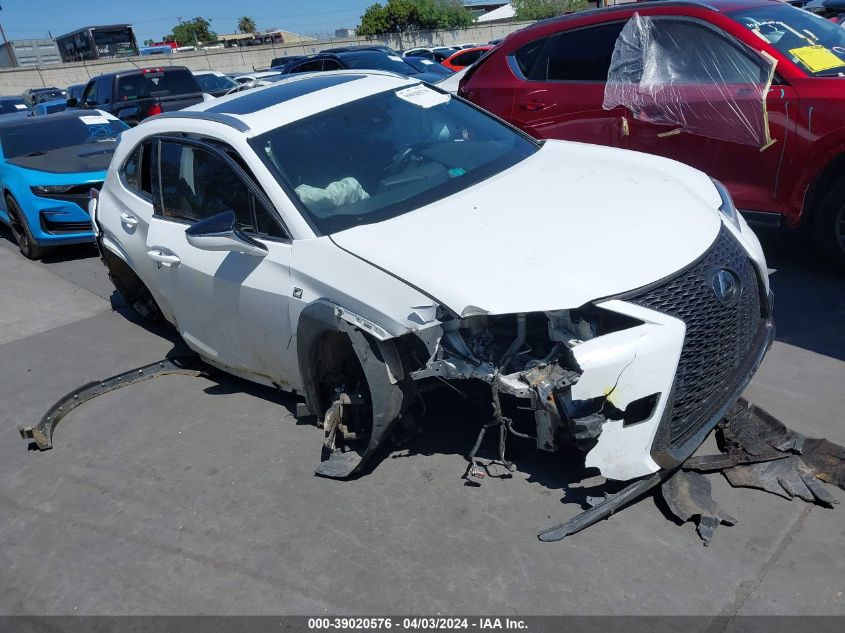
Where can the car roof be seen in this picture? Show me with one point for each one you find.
(361, 52)
(298, 96)
(717, 6)
(12, 98)
(483, 47)
(136, 71)
(66, 114)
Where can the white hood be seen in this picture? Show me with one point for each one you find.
(571, 224)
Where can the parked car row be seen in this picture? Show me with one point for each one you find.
(48, 165)
(344, 228)
(359, 238)
(719, 71)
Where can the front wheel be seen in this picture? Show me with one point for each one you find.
(20, 229)
(829, 229)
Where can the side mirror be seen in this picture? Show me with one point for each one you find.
(221, 233)
(72, 102)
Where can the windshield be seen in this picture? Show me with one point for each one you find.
(47, 95)
(8, 106)
(378, 61)
(386, 155)
(51, 107)
(424, 65)
(212, 83)
(146, 84)
(812, 42)
(48, 135)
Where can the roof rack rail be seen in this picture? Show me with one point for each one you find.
(628, 5)
(215, 117)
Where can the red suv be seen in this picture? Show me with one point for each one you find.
(549, 79)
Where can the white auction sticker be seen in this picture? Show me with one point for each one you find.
(20, 106)
(94, 120)
(422, 96)
(427, 62)
(394, 58)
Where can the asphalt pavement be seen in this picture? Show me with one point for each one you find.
(184, 495)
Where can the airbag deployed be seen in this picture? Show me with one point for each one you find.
(337, 194)
(683, 73)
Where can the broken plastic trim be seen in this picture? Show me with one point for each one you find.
(42, 433)
(605, 508)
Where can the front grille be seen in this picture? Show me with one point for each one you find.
(719, 339)
(78, 194)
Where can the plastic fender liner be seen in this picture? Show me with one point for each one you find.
(42, 434)
(382, 367)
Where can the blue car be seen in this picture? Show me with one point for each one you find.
(51, 107)
(48, 165)
(15, 107)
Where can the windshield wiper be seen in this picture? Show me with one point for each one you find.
(31, 154)
(837, 73)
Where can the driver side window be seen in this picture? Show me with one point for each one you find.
(89, 97)
(196, 184)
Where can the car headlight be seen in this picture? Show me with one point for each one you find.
(727, 208)
(51, 188)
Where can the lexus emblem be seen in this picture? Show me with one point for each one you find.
(726, 286)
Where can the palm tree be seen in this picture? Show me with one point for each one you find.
(246, 25)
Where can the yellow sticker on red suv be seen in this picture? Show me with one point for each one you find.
(816, 58)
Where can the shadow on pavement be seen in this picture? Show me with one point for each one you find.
(809, 300)
(57, 254)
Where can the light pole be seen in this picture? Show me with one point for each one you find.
(2, 32)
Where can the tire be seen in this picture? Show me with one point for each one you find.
(20, 229)
(829, 229)
(131, 289)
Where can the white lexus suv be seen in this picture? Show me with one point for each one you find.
(358, 237)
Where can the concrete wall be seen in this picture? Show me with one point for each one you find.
(14, 81)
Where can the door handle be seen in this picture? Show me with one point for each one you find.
(128, 219)
(163, 258)
(533, 106)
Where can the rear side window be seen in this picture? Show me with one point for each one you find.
(307, 67)
(582, 55)
(163, 84)
(132, 170)
(137, 170)
(466, 59)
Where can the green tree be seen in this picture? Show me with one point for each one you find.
(402, 16)
(149, 42)
(196, 31)
(542, 9)
(246, 25)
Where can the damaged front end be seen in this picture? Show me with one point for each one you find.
(636, 381)
(539, 360)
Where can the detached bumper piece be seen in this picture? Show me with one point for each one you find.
(604, 509)
(42, 433)
(758, 451)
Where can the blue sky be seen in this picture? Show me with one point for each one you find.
(153, 18)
